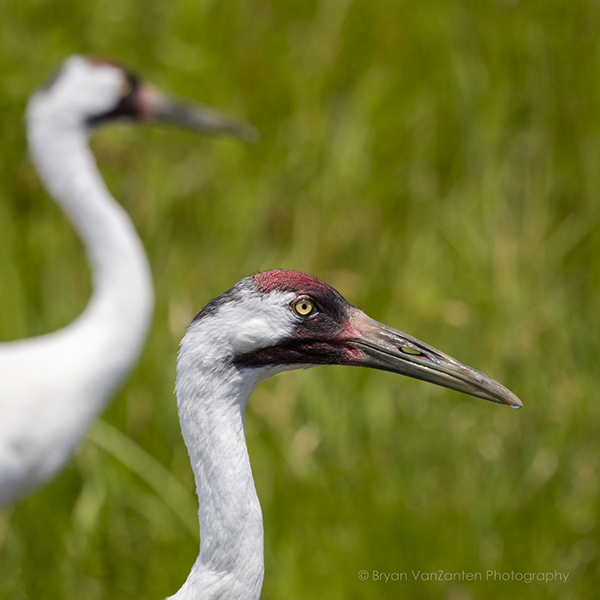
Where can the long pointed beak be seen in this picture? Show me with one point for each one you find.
(388, 349)
(159, 107)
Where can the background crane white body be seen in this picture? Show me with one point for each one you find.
(266, 324)
(52, 386)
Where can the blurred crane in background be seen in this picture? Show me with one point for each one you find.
(52, 386)
(272, 322)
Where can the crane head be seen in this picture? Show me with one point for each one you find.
(88, 92)
(281, 320)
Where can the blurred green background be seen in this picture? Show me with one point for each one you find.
(437, 162)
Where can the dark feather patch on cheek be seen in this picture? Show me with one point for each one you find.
(128, 106)
(322, 337)
(316, 341)
(297, 352)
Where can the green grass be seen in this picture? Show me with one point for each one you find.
(437, 162)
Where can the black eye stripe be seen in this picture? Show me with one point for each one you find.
(127, 108)
(133, 82)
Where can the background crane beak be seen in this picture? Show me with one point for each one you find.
(156, 106)
(388, 349)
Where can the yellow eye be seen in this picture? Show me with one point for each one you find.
(303, 307)
(408, 350)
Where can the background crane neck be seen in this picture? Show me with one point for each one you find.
(112, 329)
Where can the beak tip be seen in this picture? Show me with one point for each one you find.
(158, 107)
(516, 403)
(511, 400)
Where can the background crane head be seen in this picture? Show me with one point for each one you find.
(86, 92)
(281, 320)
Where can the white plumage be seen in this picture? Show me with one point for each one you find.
(52, 386)
(266, 324)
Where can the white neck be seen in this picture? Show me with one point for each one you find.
(212, 399)
(115, 322)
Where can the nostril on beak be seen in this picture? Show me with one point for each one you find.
(411, 351)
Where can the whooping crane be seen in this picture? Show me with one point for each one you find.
(52, 386)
